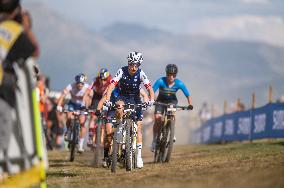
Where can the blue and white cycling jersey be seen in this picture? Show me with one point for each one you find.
(166, 93)
(130, 85)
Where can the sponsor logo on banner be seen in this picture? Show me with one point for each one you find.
(259, 123)
(278, 120)
(218, 129)
(229, 127)
(244, 125)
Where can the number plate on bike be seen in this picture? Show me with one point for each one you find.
(171, 108)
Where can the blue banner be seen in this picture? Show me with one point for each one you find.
(259, 123)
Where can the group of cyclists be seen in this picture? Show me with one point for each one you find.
(123, 88)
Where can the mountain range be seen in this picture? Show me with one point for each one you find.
(213, 69)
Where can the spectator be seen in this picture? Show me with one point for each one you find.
(204, 113)
(282, 99)
(54, 124)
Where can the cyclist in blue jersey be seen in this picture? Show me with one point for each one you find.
(129, 79)
(168, 86)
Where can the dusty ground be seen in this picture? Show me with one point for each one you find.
(258, 165)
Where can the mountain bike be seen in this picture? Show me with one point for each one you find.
(73, 133)
(165, 137)
(124, 139)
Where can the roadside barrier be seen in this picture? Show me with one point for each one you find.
(256, 123)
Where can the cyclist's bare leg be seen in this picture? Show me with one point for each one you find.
(92, 128)
(69, 118)
(103, 135)
(139, 132)
(82, 120)
(108, 139)
(139, 144)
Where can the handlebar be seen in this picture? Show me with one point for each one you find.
(79, 112)
(129, 106)
(169, 105)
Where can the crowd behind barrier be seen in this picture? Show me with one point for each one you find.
(258, 123)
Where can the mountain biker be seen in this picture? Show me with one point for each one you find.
(77, 91)
(95, 91)
(110, 116)
(129, 79)
(168, 86)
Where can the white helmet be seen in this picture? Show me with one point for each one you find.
(135, 57)
(80, 78)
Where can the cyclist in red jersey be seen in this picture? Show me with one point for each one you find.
(94, 94)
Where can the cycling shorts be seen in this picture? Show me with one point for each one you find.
(74, 106)
(160, 109)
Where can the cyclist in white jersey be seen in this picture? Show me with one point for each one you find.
(77, 91)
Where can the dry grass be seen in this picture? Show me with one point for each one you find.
(258, 165)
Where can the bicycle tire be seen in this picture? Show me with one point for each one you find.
(75, 139)
(134, 149)
(115, 146)
(128, 147)
(163, 142)
(72, 143)
(170, 139)
(157, 148)
(98, 144)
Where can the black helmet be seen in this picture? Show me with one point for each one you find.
(8, 6)
(171, 69)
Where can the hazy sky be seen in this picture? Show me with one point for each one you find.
(236, 19)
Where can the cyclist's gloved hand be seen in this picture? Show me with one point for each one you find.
(59, 108)
(98, 113)
(190, 107)
(150, 103)
(108, 103)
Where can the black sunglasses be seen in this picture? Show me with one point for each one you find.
(133, 64)
(169, 74)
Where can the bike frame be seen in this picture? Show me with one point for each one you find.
(166, 133)
(74, 130)
(128, 139)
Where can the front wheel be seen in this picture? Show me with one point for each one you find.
(75, 126)
(170, 140)
(128, 147)
(157, 149)
(114, 153)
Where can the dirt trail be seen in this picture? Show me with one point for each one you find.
(232, 165)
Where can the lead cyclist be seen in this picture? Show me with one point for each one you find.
(129, 79)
